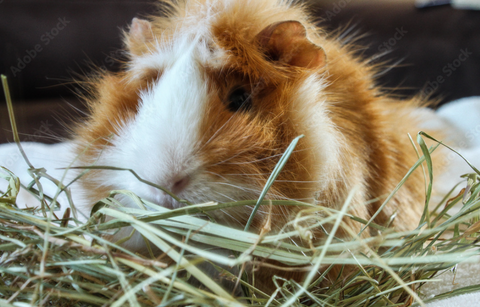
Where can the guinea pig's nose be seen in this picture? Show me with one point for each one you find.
(179, 184)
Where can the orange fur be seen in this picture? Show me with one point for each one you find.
(374, 150)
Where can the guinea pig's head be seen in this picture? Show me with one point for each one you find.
(206, 106)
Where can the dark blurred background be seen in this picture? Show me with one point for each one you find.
(44, 44)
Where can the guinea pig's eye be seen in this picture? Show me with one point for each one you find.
(239, 100)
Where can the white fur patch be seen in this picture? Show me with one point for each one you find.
(321, 133)
(159, 143)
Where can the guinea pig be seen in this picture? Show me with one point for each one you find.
(213, 93)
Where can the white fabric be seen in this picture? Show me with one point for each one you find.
(463, 116)
(464, 300)
(53, 158)
(466, 274)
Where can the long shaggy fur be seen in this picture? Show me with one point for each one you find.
(355, 136)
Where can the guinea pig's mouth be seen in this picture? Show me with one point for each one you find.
(161, 198)
(151, 195)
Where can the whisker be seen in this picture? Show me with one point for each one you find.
(253, 161)
(299, 181)
(239, 174)
(226, 196)
(215, 174)
(245, 189)
(231, 216)
(229, 158)
(216, 133)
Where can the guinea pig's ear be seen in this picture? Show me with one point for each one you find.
(287, 42)
(139, 34)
